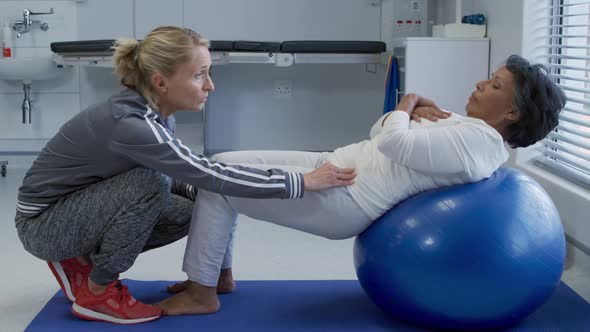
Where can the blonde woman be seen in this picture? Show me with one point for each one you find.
(114, 182)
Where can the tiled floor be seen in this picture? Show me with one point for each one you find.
(263, 251)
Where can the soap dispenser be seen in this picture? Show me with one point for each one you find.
(7, 46)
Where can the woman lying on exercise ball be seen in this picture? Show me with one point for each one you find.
(518, 105)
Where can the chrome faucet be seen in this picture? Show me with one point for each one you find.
(24, 26)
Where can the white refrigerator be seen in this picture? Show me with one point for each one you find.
(443, 69)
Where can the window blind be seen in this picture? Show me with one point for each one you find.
(562, 42)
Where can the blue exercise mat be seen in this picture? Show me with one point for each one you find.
(325, 305)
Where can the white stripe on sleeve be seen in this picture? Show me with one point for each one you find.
(153, 125)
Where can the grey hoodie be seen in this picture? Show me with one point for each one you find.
(122, 133)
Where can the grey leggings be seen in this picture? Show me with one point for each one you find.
(111, 222)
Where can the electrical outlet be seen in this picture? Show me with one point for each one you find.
(283, 89)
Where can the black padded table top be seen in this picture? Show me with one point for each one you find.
(256, 46)
(104, 46)
(332, 46)
(83, 46)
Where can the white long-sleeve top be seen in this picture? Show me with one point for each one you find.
(404, 157)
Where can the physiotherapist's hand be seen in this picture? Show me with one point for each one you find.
(429, 113)
(328, 176)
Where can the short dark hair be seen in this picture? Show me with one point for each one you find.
(538, 100)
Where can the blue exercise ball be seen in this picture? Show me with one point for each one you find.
(468, 257)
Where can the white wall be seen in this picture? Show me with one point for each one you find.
(333, 105)
(102, 19)
(323, 95)
(444, 11)
(504, 23)
(505, 26)
(53, 100)
(446, 78)
(284, 19)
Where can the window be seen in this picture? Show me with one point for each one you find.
(564, 45)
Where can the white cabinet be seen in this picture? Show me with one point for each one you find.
(444, 70)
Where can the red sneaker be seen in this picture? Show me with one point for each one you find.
(70, 275)
(115, 305)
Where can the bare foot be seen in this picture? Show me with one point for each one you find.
(178, 287)
(225, 285)
(194, 300)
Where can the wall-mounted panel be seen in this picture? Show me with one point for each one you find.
(285, 19)
(105, 19)
(150, 14)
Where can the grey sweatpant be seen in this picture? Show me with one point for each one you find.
(111, 221)
(331, 213)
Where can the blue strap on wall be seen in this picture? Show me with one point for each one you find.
(391, 85)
